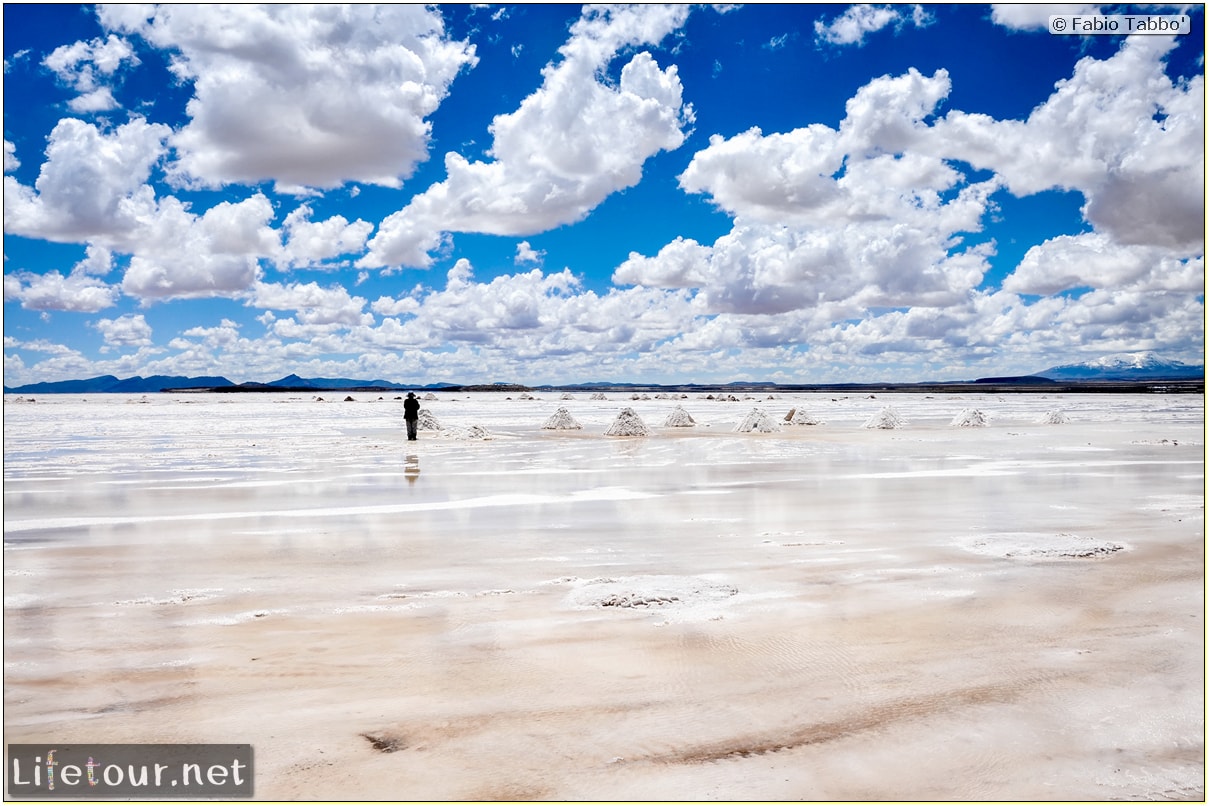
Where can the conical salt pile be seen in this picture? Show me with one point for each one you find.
(801, 417)
(473, 432)
(970, 418)
(561, 420)
(757, 420)
(426, 422)
(627, 424)
(598, 396)
(679, 418)
(567, 396)
(430, 396)
(1054, 417)
(886, 418)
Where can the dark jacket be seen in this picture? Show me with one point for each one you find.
(411, 409)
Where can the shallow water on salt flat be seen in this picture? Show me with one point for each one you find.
(826, 612)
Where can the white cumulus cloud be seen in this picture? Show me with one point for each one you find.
(81, 290)
(314, 304)
(571, 144)
(92, 186)
(306, 95)
(857, 21)
(860, 214)
(309, 243)
(129, 330)
(1035, 16)
(1144, 184)
(217, 254)
(88, 67)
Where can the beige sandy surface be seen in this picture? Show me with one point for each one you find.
(827, 612)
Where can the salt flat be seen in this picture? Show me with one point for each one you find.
(824, 612)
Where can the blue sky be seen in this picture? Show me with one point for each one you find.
(563, 194)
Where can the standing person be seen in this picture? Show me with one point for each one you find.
(411, 413)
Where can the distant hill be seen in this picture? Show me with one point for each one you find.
(295, 382)
(109, 383)
(1125, 367)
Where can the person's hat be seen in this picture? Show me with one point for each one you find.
(411, 394)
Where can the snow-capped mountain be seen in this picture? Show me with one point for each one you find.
(1124, 366)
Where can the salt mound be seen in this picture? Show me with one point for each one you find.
(651, 592)
(473, 432)
(1054, 417)
(627, 424)
(757, 420)
(1040, 546)
(886, 418)
(567, 396)
(970, 418)
(426, 422)
(801, 417)
(598, 396)
(430, 396)
(561, 420)
(679, 418)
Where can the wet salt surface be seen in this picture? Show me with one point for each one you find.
(1013, 611)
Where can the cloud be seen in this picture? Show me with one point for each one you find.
(527, 254)
(1094, 260)
(225, 334)
(309, 243)
(314, 304)
(572, 143)
(303, 95)
(11, 163)
(85, 67)
(776, 43)
(80, 291)
(683, 263)
(1144, 184)
(182, 255)
(533, 315)
(38, 345)
(860, 215)
(54, 292)
(851, 27)
(129, 330)
(17, 58)
(388, 306)
(1035, 16)
(92, 186)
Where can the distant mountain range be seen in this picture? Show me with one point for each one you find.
(1144, 366)
(110, 383)
(1125, 367)
(159, 383)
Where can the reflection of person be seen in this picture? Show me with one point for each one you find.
(411, 469)
(411, 413)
